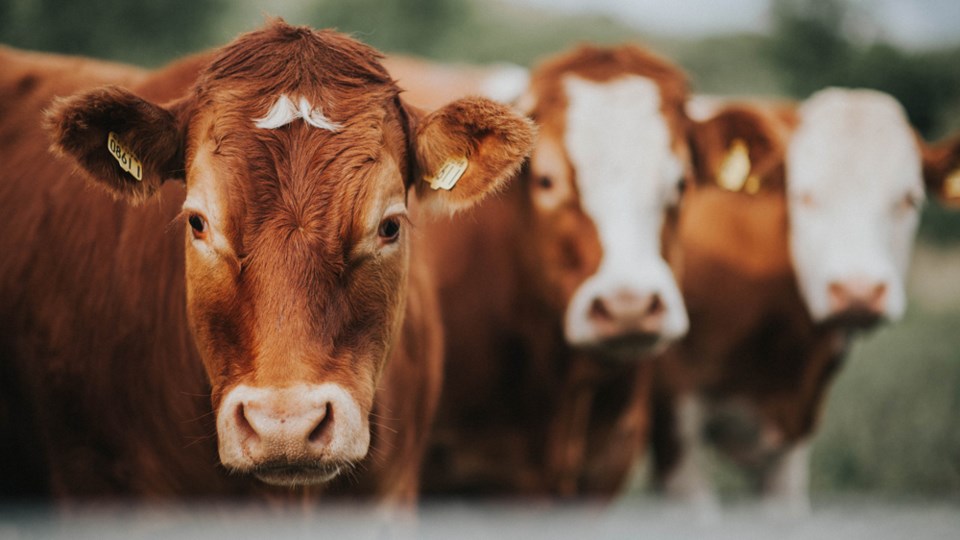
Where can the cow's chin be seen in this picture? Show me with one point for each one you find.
(626, 348)
(297, 474)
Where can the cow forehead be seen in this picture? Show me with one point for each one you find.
(328, 182)
(617, 137)
(853, 143)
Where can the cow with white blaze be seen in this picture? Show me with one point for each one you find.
(795, 236)
(556, 293)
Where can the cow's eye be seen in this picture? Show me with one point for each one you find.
(389, 230)
(544, 182)
(911, 201)
(198, 225)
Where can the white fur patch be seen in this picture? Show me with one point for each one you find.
(626, 173)
(285, 111)
(703, 107)
(851, 164)
(689, 483)
(204, 198)
(506, 83)
(786, 491)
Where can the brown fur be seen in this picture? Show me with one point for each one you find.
(941, 160)
(523, 413)
(116, 347)
(752, 352)
(753, 355)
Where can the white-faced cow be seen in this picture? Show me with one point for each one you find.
(555, 293)
(263, 304)
(797, 232)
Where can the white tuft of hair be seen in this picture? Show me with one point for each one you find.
(285, 111)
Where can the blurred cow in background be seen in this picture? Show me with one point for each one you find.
(266, 305)
(796, 235)
(555, 295)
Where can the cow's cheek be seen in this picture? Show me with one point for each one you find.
(570, 253)
(211, 303)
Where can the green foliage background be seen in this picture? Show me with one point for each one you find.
(893, 421)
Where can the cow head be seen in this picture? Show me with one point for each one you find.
(297, 155)
(601, 188)
(856, 186)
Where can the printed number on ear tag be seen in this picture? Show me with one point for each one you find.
(449, 174)
(124, 157)
(735, 168)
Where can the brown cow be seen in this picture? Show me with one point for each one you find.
(783, 196)
(266, 305)
(554, 293)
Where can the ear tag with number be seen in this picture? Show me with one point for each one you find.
(124, 157)
(449, 174)
(735, 169)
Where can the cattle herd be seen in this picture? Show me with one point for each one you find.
(291, 268)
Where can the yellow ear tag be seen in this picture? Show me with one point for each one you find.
(951, 186)
(124, 157)
(449, 174)
(735, 168)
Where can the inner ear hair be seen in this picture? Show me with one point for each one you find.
(79, 127)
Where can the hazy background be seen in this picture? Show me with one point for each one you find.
(892, 424)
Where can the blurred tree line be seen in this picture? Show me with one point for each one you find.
(145, 33)
(812, 44)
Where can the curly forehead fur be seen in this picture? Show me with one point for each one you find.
(298, 177)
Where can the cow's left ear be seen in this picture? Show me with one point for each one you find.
(467, 150)
(122, 142)
(941, 170)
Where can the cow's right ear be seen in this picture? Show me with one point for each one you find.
(122, 142)
(941, 171)
(739, 149)
(465, 151)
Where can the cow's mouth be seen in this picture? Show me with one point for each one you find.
(297, 474)
(628, 347)
(855, 319)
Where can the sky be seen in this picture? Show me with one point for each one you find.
(910, 23)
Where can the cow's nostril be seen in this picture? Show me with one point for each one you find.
(323, 425)
(243, 424)
(656, 306)
(599, 311)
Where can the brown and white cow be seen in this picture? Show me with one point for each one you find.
(796, 234)
(554, 293)
(264, 304)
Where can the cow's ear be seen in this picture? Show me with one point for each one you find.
(122, 142)
(941, 171)
(465, 151)
(739, 149)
